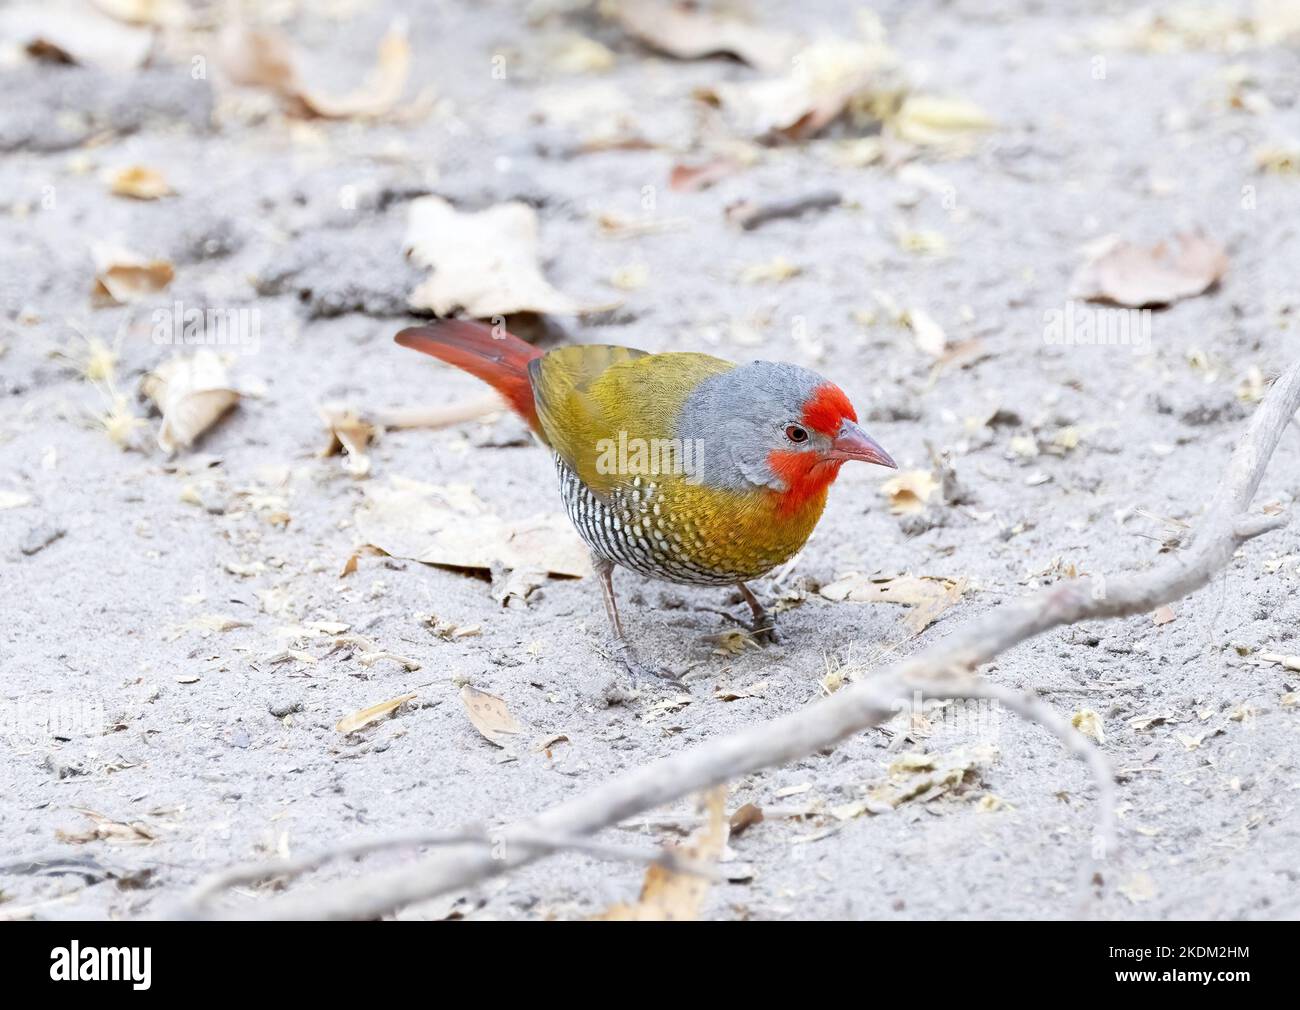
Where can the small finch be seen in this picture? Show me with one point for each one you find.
(679, 466)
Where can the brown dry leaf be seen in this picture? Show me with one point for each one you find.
(937, 122)
(931, 610)
(124, 276)
(930, 596)
(264, 58)
(449, 526)
(1122, 273)
(350, 433)
(908, 590)
(689, 178)
(490, 716)
(909, 491)
(64, 32)
(484, 263)
(670, 896)
(827, 78)
(192, 393)
(104, 829)
(138, 182)
(687, 33)
(1163, 615)
(359, 720)
(744, 818)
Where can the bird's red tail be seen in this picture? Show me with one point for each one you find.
(489, 353)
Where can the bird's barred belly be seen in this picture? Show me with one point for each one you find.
(630, 528)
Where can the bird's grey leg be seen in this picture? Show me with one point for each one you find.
(626, 654)
(764, 626)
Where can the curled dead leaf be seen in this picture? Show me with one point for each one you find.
(124, 276)
(350, 433)
(826, 78)
(1089, 723)
(909, 491)
(484, 263)
(265, 58)
(192, 393)
(63, 33)
(689, 33)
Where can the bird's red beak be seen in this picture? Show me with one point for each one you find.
(854, 443)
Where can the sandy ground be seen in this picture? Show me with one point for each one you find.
(221, 754)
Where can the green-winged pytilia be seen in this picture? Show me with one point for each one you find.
(680, 466)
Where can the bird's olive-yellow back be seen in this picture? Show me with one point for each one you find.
(590, 393)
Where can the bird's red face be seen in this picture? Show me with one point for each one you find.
(818, 442)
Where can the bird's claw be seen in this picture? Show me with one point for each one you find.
(638, 671)
(764, 632)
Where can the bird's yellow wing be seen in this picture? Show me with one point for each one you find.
(597, 403)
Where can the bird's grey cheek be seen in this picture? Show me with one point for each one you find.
(750, 460)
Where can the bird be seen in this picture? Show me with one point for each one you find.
(679, 466)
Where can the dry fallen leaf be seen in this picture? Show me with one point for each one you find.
(687, 33)
(826, 78)
(1089, 723)
(1163, 615)
(359, 720)
(1286, 662)
(104, 829)
(484, 263)
(909, 491)
(192, 393)
(350, 433)
(490, 716)
(689, 178)
(925, 777)
(744, 818)
(673, 896)
(450, 526)
(932, 121)
(929, 335)
(71, 33)
(577, 54)
(139, 182)
(123, 276)
(156, 13)
(262, 57)
(1134, 276)
(930, 596)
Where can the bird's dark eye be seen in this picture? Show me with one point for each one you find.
(796, 434)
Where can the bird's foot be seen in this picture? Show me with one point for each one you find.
(763, 631)
(638, 671)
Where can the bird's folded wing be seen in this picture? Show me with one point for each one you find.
(594, 398)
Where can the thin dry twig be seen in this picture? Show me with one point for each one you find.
(946, 669)
(250, 873)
